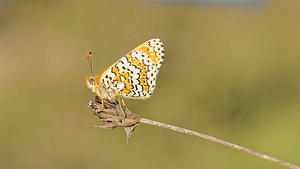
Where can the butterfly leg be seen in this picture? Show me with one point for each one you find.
(120, 102)
(124, 105)
(99, 93)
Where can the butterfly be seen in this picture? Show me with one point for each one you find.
(133, 76)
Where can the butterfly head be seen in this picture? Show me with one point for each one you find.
(90, 82)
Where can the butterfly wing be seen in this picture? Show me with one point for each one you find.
(134, 75)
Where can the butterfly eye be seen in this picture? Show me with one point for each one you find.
(91, 82)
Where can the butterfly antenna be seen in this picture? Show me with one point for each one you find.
(89, 58)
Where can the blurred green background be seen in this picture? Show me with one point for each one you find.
(230, 71)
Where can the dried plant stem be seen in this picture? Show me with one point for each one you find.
(231, 145)
(113, 116)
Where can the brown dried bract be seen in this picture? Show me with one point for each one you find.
(113, 115)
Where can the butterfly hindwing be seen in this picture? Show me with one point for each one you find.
(134, 75)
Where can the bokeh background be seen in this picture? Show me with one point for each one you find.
(231, 71)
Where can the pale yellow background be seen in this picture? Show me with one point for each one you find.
(231, 71)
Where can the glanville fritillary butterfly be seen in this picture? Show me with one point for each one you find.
(133, 76)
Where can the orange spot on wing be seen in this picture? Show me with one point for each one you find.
(126, 75)
(115, 70)
(139, 64)
(128, 86)
(143, 75)
(117, 78)
(125, 91)
(129, 57)
(143, 81)
(133, 60)
(144, 68)
(146, 89)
